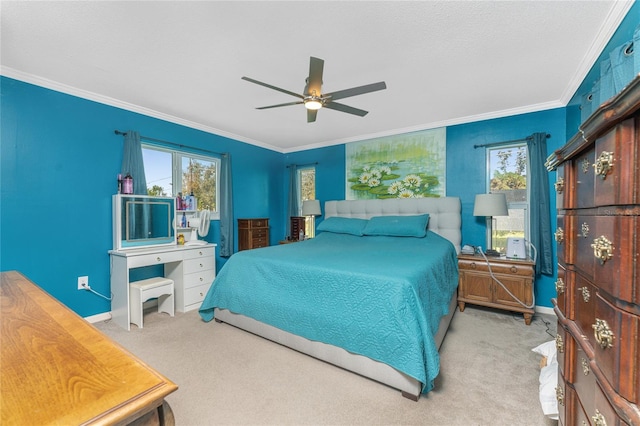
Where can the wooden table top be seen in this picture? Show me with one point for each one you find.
(56, 368)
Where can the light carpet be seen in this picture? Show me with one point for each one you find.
(488, 375)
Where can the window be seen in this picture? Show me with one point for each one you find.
(307, 185)
(170, 173)
(507, 166)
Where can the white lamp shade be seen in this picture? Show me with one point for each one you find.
(490, 205)
(311, 208)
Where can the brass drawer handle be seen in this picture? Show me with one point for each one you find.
(585, 229)
(560, 286)
(602, 249)
(586, 295)
(603, 334)
(559, 185)
(514, 269)
(560, 395)
(585, 367)
(598, 419)
(473, 265)
(559, 235)
(559, 343)
(604, 164)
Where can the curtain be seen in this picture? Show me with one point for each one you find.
(226, 207)
(539, 202)
(294, 197)
(133, 163)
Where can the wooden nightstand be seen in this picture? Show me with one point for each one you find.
(476, 286)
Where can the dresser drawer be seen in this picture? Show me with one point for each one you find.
(253, 223)
(564, 347)
(603, 413)
(584, 380)
(616, 270)
(259, 242)
(200, 252)
(617, 180)
(199, 278)
(259, 233)
(564, 290)
(617, 348)
(565, 237)
(197, 265)
(584, 179)
(583, 235)
(584, 305)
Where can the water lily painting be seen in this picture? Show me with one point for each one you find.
(411, 165)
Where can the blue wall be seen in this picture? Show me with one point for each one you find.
(60, 158)
(466, 170)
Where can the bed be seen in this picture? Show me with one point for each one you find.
(369, 273)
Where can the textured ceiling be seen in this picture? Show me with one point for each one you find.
(444, 62)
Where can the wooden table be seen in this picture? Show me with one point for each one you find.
(56, 368)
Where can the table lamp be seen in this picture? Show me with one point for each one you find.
(490, 205)
(311, 209)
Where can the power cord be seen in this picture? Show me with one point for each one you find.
(533, 296)
(86, 287)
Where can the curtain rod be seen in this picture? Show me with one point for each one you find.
(489, 145)
(146, 138)
(302, 165)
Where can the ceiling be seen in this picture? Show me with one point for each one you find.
(444, 62)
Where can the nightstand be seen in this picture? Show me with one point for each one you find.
(476, 286)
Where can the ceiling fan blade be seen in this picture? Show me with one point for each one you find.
(314, 82)
(311, 115)
(355, 91)
(281, 105)
(346, 108)
(273, 87)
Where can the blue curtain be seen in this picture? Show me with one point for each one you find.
(226, 207)
(294, 197)
(133, 163)
(539, 202)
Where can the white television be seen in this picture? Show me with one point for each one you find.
(141, 221)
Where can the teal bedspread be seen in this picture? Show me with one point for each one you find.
(377, 296)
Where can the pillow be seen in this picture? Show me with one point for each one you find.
(343, 225)
(398, 226)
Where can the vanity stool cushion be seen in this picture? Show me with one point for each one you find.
(143, 290)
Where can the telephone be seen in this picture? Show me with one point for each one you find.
(492, 253)
(467, 249)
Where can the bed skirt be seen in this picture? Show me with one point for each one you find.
(375, 370)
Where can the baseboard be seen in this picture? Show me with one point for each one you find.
(545, 310)
(98, 317)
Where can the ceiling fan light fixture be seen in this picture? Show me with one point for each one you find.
(313, 103)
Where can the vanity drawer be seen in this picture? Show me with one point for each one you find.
(154, 259)
(253, 223)
(195, 295)
(197, 265)
(199, 278)
(617, 348)
(508, 268)
(199, 253)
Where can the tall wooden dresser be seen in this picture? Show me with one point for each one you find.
(253, 233)
(598, 286)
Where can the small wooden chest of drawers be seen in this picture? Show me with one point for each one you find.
(253, 233)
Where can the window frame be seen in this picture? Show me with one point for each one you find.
(176, 170)
(513, 205)
(309, 222)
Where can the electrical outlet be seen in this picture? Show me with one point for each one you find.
(83, 283)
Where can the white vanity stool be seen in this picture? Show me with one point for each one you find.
(143, 290)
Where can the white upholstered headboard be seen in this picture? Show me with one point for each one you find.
(444, 212)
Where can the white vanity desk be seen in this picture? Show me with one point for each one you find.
(192, 269)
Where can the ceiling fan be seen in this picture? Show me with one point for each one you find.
(313, 98)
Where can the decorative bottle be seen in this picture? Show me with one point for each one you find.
(127, 184)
